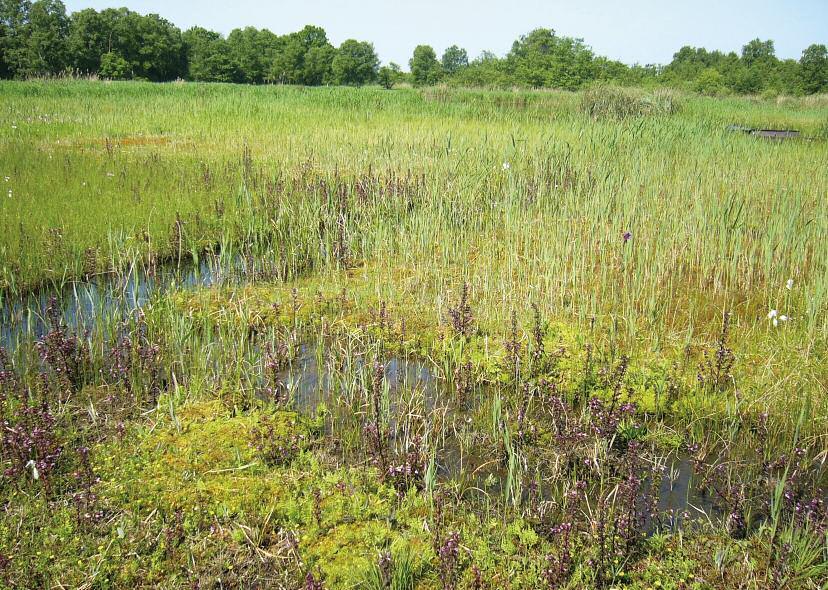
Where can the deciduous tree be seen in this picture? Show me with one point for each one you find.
(356, 63)
(209, 58)
(814, 69)
(542, 58)
(389, 75)
(454, 60)
(425, 69)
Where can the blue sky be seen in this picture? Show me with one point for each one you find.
(642, 31)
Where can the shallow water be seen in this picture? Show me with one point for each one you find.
(83, 303)
(774, 134)
(678, 501)
(309, 383)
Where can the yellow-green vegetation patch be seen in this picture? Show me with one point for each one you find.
(202, 462)
(346, 303)
(201, 469)
(347, 552)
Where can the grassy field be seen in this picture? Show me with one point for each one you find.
(460, 339)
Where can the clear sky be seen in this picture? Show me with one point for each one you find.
(634, 31)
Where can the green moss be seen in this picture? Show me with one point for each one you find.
(519, 537)
(345, 553)
(202, 463)
(198, 469)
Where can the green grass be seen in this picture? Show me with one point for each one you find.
(719, 220)
(366, 211)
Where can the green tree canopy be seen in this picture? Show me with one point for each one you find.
(356, 63)
(152, 46)
(389, 75)
(814, 69)
(114, 67)
(160, 53)
(454, 60)
(318, 67)
(303, 57)
(487, 70)
(710, 82)
(757, 51)
(542, 58)
(209, 58)
(14, 18)
(33, 38)
(425, 69)
(253, 50)
(46, 47)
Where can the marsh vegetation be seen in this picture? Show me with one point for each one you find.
(351, 338)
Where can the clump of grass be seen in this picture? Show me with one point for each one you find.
(822, 132)
(614, 102)
(392, 572)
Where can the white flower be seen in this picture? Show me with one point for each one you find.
(773, 313)
(7, 178)
(110, 174)
(14, 126)
(789, 284)
(775, 322)
(35, 472)
(783, 318)
(506, 165)
(10, 194)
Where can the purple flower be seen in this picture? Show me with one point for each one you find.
(311, 583)
(449, 553)
(627, 236)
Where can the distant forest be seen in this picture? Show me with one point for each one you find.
(39, 39)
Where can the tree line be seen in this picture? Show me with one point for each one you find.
(40, 39)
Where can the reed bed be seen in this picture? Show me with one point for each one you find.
(448, 339)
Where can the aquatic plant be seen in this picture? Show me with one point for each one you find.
(410, 472)
(385, 565)
(394, 570)
(88, 510)
(9, 382)
(64, 353)
(605, 101)
(538, 350)
(135, 362)
(460, 315)
(341, 247)
(448, 556)
(560, 564)
(277, 357)
(716, 369)
(376, 431)
(311, 583)
(31, 446)
(463, 379)
(606, 416)
(276, 444)
(513, 349)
